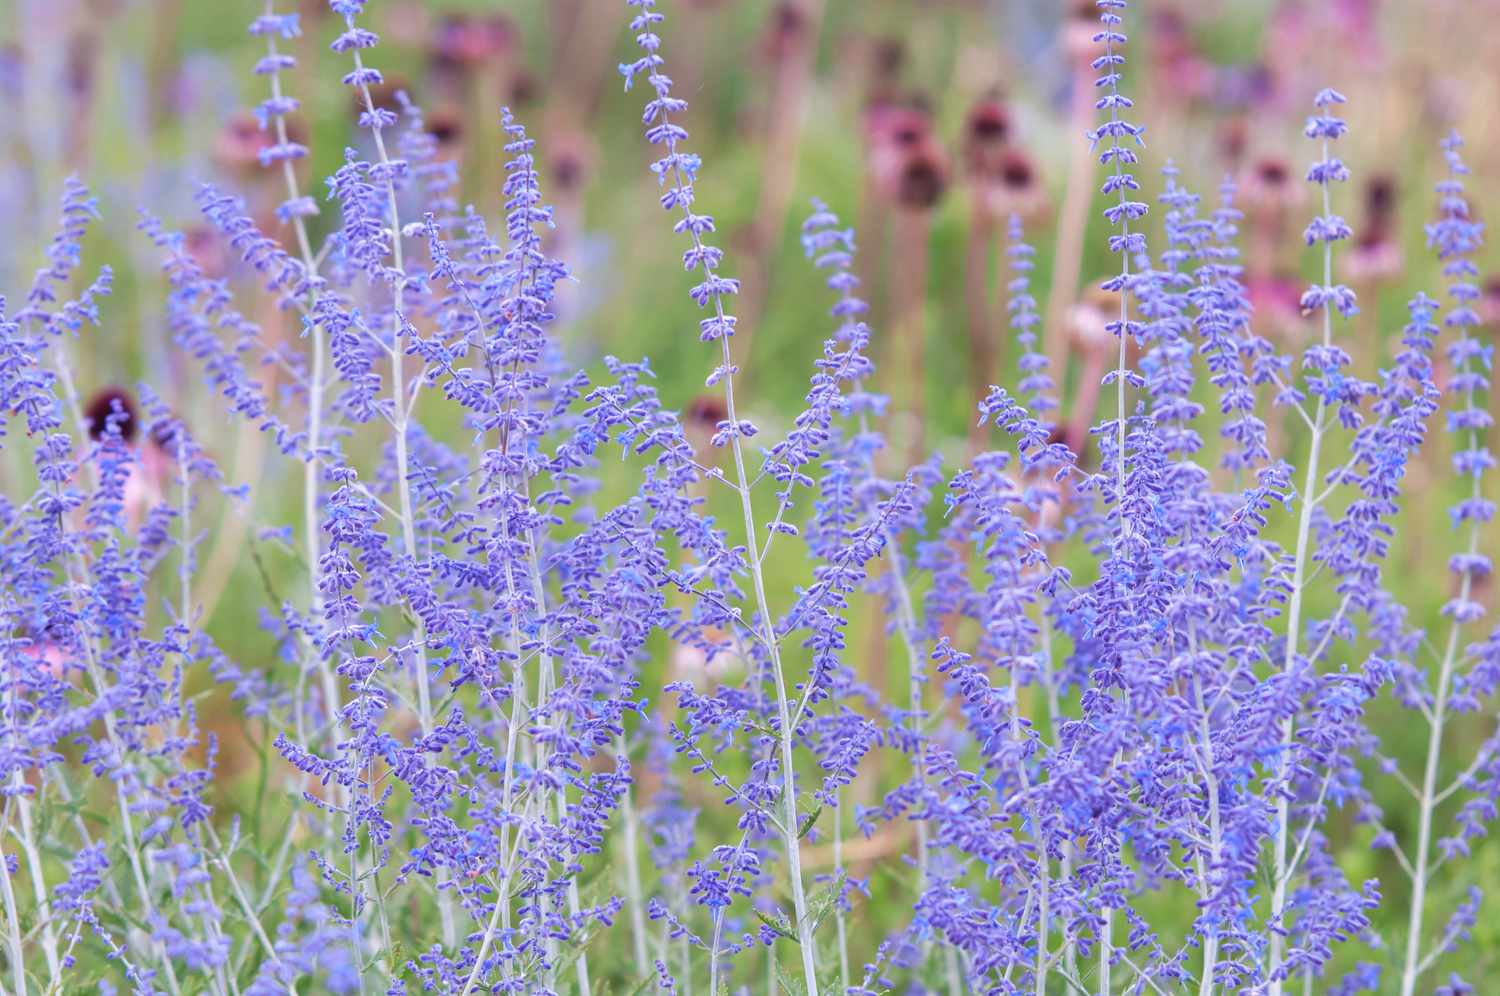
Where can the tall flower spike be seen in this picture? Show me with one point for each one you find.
(1036, 384)
(842, 365)
(850, 473)
(1456, 236)
(1033, 434)
(1118, 157)
(273, 111)
(1238, 360)
(1164, 302)
(1324, 362)
(323, 319)
(676, 172)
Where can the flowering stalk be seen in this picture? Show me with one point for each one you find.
(676, 171)
(1121, 214)
(833, 248)
(77, 574)
(1125, 243)
(57, 500)
(1456, 237)
(1326, 229)
(1189, 744)
(354, 40)
(295, 210)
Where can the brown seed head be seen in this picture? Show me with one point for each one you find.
(923, 177)
(110, 402)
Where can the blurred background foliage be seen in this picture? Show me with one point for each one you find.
(924, 122)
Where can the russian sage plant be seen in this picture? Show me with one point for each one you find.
(1128, 747)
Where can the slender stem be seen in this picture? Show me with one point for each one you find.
(27, 838)
(685, 950)
(1294, 623)
(39, 888)
(518, 711)
(838, 876)
(766, 626)
(713, 954)
(76, 580)
(70, 398)
(311, 475)
(538, 594)
(238, 891)
(13, 928)
(1294, 626)
(1305, 837)
(184, 566)
(400, 416)
(1106, 931)
(127, 823)
(1054, 714)
(573, 908)
(1120, 425)
(575, 905)
(633, 890)
(502, 903)
(1428, 800)
(185, 618)
(1215, 833)
(1043, 917)
(907, 623)
(785, 733)
(1043, 869)
(206, 909)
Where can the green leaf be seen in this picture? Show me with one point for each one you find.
(397, 959)
(824, 901)
(779, 924)
(642, 985)
(807, 823)
(789, 985)
(575, 949)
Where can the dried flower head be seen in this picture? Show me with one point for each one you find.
(923, 177)
(112, 410)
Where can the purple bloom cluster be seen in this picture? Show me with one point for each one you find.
(520, 709)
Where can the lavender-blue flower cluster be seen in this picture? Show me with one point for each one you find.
(537, 730)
